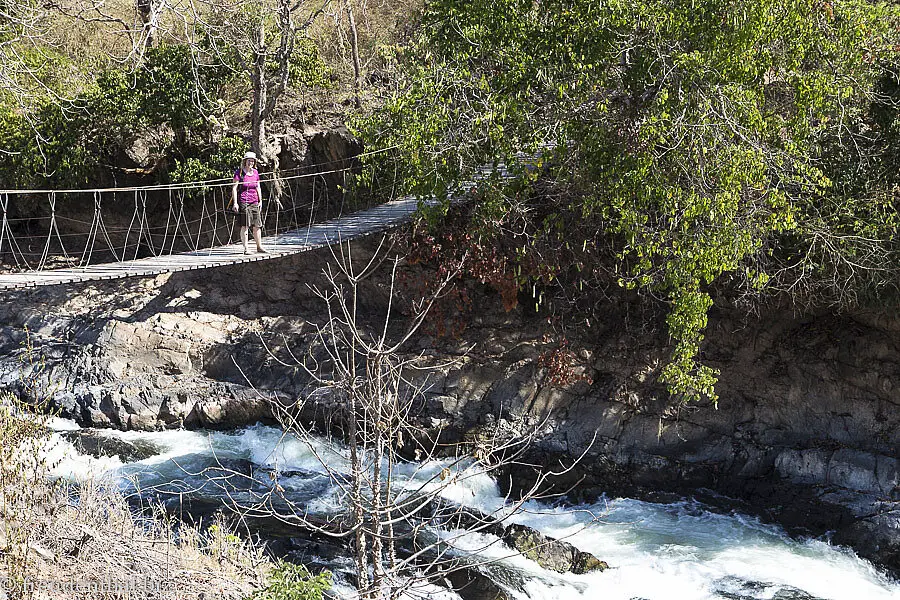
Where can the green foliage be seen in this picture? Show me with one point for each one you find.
(698, 144)
(27, 65)
(40, 70)
(64, 145)
(289, 581)
(172, 89)
(46, 146)
(224, 159)
(306, 67)
(168, 88)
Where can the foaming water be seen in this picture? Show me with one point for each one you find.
(682, 551)
(677, 551)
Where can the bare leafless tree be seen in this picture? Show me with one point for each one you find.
(354, 49)
(258, 39)
(401, 530)
(23, 34)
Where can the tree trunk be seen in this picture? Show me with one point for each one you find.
(263, 104)
(260, 93)
(354, 49)
(150, 12)
(145, 9)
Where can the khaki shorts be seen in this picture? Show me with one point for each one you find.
(253, 214)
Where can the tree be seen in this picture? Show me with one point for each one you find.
(48, 78)
(354, 50)
(694, 145)
(258, 40)
(393, 517)
(26, 61)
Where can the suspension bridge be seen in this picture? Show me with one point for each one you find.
(51, 237)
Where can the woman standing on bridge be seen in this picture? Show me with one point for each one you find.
(250, 200)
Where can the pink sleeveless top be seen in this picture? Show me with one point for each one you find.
(247, 187)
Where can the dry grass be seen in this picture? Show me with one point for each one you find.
(65, 541)
(380, 23)
(96, 543)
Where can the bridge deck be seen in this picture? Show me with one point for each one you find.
(344, 228)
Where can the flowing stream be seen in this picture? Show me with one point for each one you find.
(677, 551)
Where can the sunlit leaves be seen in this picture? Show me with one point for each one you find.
(695, 135)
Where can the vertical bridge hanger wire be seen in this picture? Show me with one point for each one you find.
(142, 234)
(103, 228)
(53, 229)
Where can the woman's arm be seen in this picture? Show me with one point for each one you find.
(234, 195)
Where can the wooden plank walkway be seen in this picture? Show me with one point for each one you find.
(295, 241)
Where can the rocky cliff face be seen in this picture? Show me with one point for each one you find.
(806, 430)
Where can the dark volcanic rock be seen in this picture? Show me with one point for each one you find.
(806, 431)
(331, 147)
(876, 536)
(472, 585)
(92, 442)
(555, 555)
(733, 588)
(550, 553)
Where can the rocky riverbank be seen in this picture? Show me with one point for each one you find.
(805, 433)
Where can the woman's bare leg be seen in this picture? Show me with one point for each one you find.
(257, 236)
(244, 237)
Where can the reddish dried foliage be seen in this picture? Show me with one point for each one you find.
(504, 265)
(456, 252)
(560, 363)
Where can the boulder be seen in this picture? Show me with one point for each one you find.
(470, 584)
(149, 146)
(333, 145)
(552, 554)
(93, 443)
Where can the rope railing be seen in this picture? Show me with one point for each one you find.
(103, 233)
(64, 235)
(164, 219)
(267, 177)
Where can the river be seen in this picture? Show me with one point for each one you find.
(677, 551)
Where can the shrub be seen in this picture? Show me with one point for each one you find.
(294, 582)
